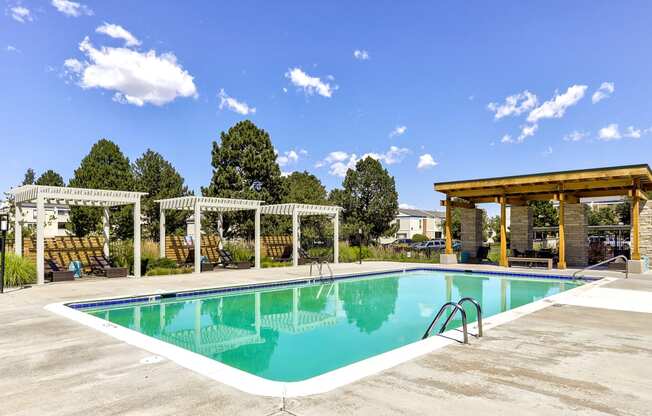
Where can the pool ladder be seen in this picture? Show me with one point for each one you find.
(319, 265)
(602, 263)
(457, 307)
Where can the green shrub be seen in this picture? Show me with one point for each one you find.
(18, 271)
(162, 271)
(351, 254)
(419, 238)
(164, 263)
(239, 251)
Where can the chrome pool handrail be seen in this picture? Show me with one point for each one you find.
(621, 256)
(456, 307)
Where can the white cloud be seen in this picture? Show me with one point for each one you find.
(11, 48)
(71, 8)
(398, 131)
(547, 152)
(406, 206)
(426, 161)
(234, 105)
(514, 105)
(633, 133)
(527, 131)
(556, 107)
(137, 78)
(339, 162)
(309, 84)
(506, 139)
(361, 54)
(576, 136)
(73, 65)
(611, 132)
(118, 32)
(21, 14)
(605, 91)
(287, 158)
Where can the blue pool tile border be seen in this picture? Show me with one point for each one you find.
(290, 283)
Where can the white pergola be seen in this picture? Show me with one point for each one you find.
(298, 210)
(60, 195)
(198, 204)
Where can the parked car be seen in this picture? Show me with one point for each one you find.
(435, 245)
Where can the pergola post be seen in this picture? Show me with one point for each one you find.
(40, 240)
(220, 229)
(561, 264)
(503, 232)
(161, 233)
(448, 227)
(18, 231)
(336, 238)
(256, 238)
(137, 238)
(197, 236)
(106, 232)
(295, 237)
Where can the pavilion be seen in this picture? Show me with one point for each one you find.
(102, 198)
(299, 210)
(566, 187)
(199, 204)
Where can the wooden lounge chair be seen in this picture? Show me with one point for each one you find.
(56, 273)
(286, 255)
(480, 255)
(100, 266)
(227, 261)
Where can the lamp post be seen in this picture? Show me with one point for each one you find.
(360, 245)
(4, 226)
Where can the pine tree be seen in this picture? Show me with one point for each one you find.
(156, 176)
(50, 178)
(105, 167)
(29, 177)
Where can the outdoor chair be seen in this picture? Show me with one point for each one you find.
(100, 266)
(480, 255)
(286, 255)
(227, 261)
(306, 258)
(56, 273)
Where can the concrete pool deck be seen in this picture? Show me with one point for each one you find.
(589, 357)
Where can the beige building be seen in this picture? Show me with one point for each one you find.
(56, 218)
(418, 221)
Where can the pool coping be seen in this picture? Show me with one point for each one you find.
(325, 382)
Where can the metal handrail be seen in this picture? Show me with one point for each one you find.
(456, 307)
(320, 265)
(478, 309)
(593, 266)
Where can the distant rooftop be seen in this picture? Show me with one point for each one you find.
(412, 212)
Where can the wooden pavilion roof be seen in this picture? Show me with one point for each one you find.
(607, 181)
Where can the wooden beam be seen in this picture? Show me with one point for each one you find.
(622, 172)
(448, 225)
(457, 204)
(638, 194)
(503, 232)
(561, 264)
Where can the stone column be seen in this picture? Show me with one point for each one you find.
(471, 224)
(644, 228)
(520, 227)
(576, 234)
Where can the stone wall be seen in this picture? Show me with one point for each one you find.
(471, 224)
(520, 227)
(645, 228)
(576, 227)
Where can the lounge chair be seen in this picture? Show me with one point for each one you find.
(56, 273)
(480, 255)
(227, 261)
(286, 255)
(100, 266)
(305, 257)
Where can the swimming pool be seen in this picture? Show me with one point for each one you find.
(296, 332)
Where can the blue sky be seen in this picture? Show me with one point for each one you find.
(469, 89)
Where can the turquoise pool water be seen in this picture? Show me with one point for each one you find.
(294, 333)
